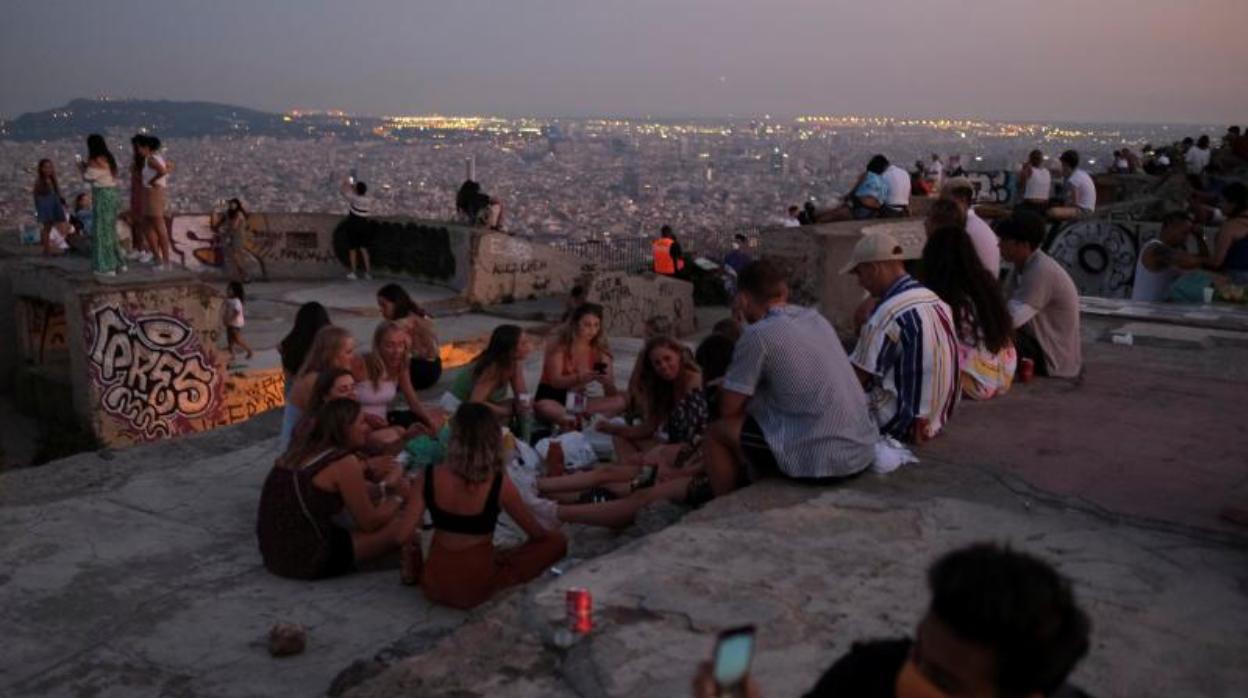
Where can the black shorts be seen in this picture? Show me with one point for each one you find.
(359, 232)
(546, 391)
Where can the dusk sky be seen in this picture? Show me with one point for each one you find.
(1083, 60)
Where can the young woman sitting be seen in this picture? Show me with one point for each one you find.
(464, 496)
(312, 483)
(380, 375)
(426, 361)
(576, 357)
(487, 378)
(332, 348)
(675, 415)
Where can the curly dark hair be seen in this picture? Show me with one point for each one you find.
(953, 271)
(1017, 606)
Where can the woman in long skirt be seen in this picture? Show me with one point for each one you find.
(100, 170)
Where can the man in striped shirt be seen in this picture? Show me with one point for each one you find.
(789, 401)
(906, 356)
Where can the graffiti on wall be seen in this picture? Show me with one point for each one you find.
(630, 301)
(408, 248)
(245, 396)
(993, 187)
(149, 371)
(1099, 256)
(43, 333)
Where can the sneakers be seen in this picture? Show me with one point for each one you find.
(106, 273)
(145, 257)
(368, 276)
(352, 276)
(123, 269)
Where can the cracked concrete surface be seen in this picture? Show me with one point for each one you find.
(135, 573)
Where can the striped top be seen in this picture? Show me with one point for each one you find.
(358, 205)
(804, 394)
(909, 349)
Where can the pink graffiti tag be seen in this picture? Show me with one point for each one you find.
(149, 373)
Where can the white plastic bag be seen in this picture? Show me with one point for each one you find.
(890, 455)
(449, 402)
(578, 452)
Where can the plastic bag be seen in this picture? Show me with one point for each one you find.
(890, 455)
(578, 452)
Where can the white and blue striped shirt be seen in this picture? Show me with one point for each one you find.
(803, 394)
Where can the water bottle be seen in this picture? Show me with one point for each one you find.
(526, 417)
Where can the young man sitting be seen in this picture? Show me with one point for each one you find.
(1043, 300)
(1000, 623)
(907, 356)
(1163, 260)
(789, 401)
(1081, 190)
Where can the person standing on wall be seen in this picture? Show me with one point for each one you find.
(100, 170)
(668, 257)
(139, 239)
(359, 233)
(156, 191)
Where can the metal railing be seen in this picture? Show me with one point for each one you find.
(635, 254)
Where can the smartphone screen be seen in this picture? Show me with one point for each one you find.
(733, 653)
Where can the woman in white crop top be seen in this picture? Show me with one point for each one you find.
(1036, 181)
(380, 376)
(156, 188)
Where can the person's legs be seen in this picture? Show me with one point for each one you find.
(388, 538)
(620, 513)
(520, 564)
(724, 460)
(162, 237)
(351, 257)
(1063, 213)
(368, 265)
(1027, 347)
(239, 341)
(576, 482)
(553, 412)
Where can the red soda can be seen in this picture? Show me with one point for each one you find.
(580, 611)
(1027, 370)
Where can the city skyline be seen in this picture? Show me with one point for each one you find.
(1128, 62)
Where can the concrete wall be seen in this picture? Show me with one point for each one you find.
(508, 268)
(631, 299)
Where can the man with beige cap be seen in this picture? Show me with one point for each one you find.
(906, 356)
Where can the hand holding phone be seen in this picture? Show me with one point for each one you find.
(733, 653)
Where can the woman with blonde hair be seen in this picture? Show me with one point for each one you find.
(674, 417)
(332, 348)
(380, 376)
(575, 358)
(425, 365)
(464, 496)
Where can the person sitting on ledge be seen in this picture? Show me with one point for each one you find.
(897, 202)
(960, 190)
(674, 417)
(1043, 300)
(310, 486)
(500, 365)
(906, 356)
(867, 198)
(986, 355)
(1000, 623)
(576, 356)
(1164, 259)
(1036, 183)
(332, 347)
(789, 402)
(464, 496)
(1080, 190)
(380, 376)
(1230, 254)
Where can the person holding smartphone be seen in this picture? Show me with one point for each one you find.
(1000, 623)
(577, 356)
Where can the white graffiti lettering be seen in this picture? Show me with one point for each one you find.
(149, 371)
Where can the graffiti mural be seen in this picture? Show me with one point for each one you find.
(245, 396)
(632, 300)
(408, 248)
(1099, 256)
(43, 330)
(149, 371)
(993, 187)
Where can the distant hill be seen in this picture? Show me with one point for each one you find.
(173, 119)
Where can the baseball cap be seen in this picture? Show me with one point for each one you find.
(874, 247)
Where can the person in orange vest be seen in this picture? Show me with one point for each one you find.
(668, 259)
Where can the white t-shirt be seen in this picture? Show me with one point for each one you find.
(1197, 160)
(898, 186)
(358, 205)
(1083, 189)
(237, 306)
(935, 169)
(149, 172)
(985, 241)
(1039, 185)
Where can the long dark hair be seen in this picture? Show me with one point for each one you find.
(500, 353)
(953, 271)
(234, 206)
(403, 303)
(656, 395)
(137, 140)
(324, 382)
(293, 348)
(329, 430)
(567, 333)
(97, 148)
(45, 185)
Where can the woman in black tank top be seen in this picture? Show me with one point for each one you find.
(313, 482)
(465, 496)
